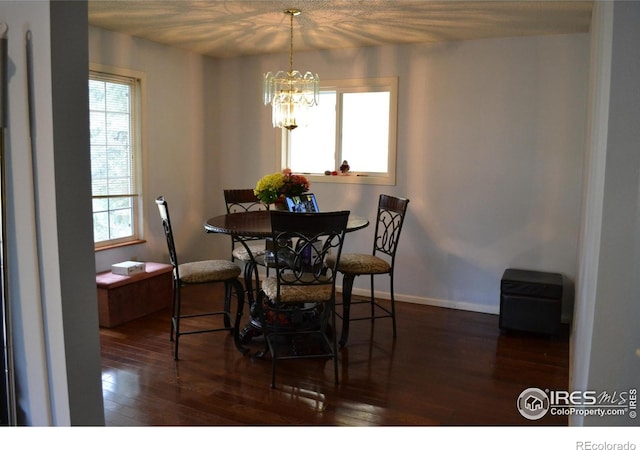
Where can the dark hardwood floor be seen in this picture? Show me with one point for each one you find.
(446, 367)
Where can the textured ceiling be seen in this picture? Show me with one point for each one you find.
(233, 28)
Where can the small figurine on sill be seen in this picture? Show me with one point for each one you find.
(344, 168)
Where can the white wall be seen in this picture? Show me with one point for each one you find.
(613, 358)
(52, 295)
(178, 123)
(595, 162)
(25, 296)
(490, 152)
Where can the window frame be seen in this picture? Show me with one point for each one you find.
(104, 72)
(342, 86)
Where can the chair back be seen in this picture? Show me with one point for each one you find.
(163, 208)
(302, 242)
(391, 213)
(242, 200)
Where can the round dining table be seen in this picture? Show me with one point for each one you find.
(257, 224)
(251, 225)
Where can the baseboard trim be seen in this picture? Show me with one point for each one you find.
(465, 306)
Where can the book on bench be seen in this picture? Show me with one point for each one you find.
(128, 268)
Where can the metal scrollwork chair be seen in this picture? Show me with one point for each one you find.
(248, 250)
(297, 303)
(243, 200)
(389, 221)
(199, 272)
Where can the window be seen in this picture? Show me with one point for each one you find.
(355, 121)
(114, 121)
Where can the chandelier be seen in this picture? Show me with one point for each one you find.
(290, 94)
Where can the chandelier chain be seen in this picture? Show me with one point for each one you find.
(291, 14)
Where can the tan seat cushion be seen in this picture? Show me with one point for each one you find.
(240, 253)
(360, 263)
(209, 270)
(296, 294)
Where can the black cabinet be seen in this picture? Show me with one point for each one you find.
(531, 301)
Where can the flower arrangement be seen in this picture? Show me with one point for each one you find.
(268, 187)
(274, 187)
(294, 184)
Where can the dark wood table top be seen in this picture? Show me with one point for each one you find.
(258, 224)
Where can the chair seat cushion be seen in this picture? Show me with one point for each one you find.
(209, 270)
(241, 253)
(297, 293)
(360, 263)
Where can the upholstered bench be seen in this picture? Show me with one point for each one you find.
(531, 301)
(123, 298)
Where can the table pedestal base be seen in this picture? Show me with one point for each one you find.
(308, 316)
